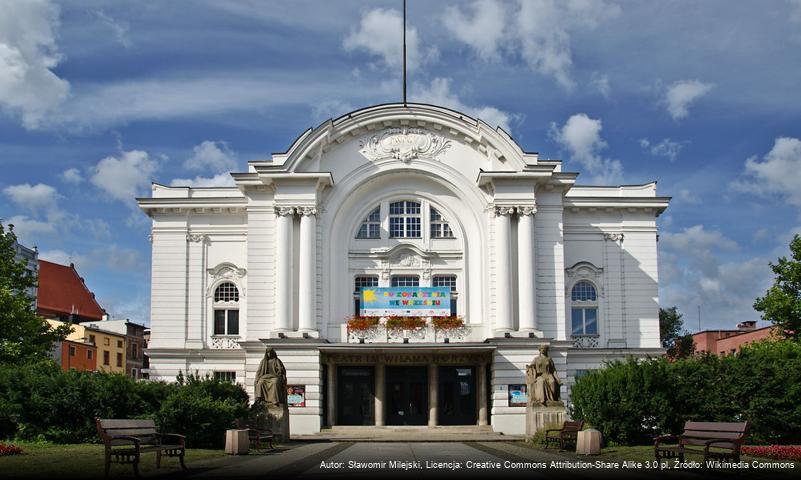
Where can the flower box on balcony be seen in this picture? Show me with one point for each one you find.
(405, 323)
(362, 324)
(448, 323)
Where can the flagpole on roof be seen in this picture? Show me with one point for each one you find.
(404, 53)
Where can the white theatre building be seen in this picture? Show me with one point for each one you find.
(402, 196)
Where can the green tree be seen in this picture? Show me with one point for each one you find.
(24, 335)
(781, 305)
(677, 341)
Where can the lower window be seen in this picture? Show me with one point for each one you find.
(225, 376)
(585, 321)
(226, 322)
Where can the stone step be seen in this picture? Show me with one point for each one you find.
(466, 433)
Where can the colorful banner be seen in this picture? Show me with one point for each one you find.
(405, 302)
(518, 397)
(296, 395)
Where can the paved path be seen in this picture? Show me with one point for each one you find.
(409, 460)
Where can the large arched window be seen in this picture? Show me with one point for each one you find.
(404, 219)
(226, 309)
(439, 227)
(371, 225)
(584, 308)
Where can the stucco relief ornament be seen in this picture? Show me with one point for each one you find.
(615, 237)
(404, 144)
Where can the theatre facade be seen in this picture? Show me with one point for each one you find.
(414, 201)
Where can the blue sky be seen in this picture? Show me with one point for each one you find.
(98, 99)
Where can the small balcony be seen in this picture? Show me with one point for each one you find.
(406, 330)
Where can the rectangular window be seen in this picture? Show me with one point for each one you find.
(225, 377)
(362, 281)
(219, 322)
(233, 322)
(72, 351)
(448, 281)
(106, 357)
(134, 373)
(92, 339)
(89, 354)
(585, 321)
(119, 343)
(106, 341)
(119, 359)
(396, 227)
(399, 281)
(404, 220)
(134, 351)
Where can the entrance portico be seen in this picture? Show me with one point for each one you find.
(406, 385)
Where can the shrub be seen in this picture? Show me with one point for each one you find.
(40, 402)
(6, 450)
(631, 401)
(405, 323)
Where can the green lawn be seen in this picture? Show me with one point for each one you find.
(86, 460)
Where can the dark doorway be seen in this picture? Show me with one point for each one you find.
(355, 396)
(457, 396)
(407, 396)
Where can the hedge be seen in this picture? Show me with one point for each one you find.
(41, 402)
(632, 401)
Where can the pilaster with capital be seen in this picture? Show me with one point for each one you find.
(283, 268)
(307, 320)
(527, 281)
(503, 273)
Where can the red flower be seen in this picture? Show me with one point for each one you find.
(405, 323)
(776, 452)
(448, 323)
(9, 450)
(359, 324)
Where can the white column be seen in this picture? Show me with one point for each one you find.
(283, 268)
(526, 281)
(433, 387)
(503, 274)
(380, 394)
(306, 277)
(481, 392)
(330, 393)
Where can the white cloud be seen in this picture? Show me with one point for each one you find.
(687, 196)
(213, 156)
(439, 93)
(696, 269)
(581, 136)
(28, 229)
(124, 177)
(667, 148)
(330, 109)
(221, 180)
(28, 53)
(482, 30)
(779, 174)
(380, 34)
(57, 256)
(107, 257)
(600, 82)
(539, 31)
(680, 95)
(120, 29)
(72, 175)
(33, 197)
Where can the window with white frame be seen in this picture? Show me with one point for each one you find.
(226, 309)
(362, 281)
(584, 308)
(405, 281)
(371, 225)
(229, 377)
(447, 281)
(404, 219)
(439, 227)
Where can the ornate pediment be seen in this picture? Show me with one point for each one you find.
(226, 271)
(584, 270)
(404, 144)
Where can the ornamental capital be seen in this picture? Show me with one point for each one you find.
(503, 211)
(307, 211)
(526, 210)
(615, 237)
(284, 211)
(195, 237)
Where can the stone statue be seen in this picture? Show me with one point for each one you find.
(542, 382)
(271, 380)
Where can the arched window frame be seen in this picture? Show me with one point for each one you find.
(370, 228)
(227, 321)
(438, 226)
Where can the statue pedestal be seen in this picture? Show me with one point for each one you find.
(540, 418)
(278, 420)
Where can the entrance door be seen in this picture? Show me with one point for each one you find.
(457, 396)
(355, 396)
(407, 396)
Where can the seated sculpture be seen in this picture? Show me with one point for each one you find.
(542, 381)
(271, 381)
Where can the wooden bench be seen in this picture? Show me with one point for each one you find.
(562, 436)
(127, 440)
(713, 440)
(259, 438)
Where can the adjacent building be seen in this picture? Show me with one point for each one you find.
(135, 343)
(405, 197)
(62, 295)
(110, 346)
(729, 342)
(31, 257)
(75, 355)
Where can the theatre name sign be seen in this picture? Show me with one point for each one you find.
(405, 302)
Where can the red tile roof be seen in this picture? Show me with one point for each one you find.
(62, 291)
